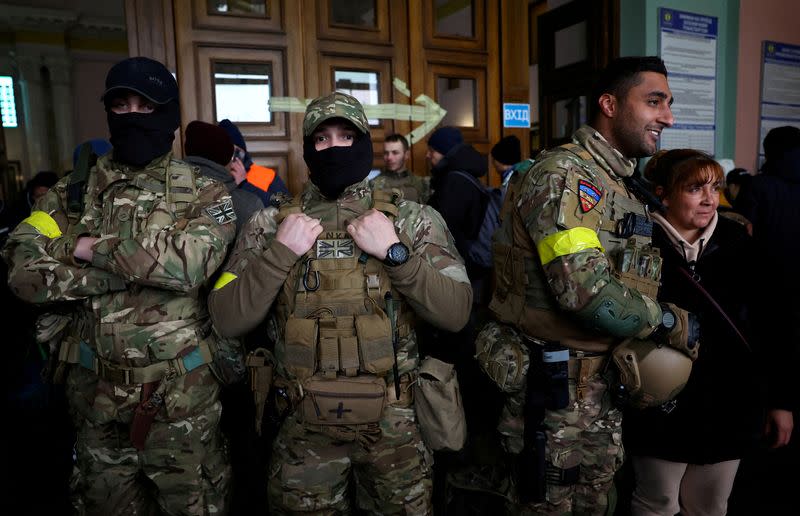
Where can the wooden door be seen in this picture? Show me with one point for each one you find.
(576, 41)
(400, 57)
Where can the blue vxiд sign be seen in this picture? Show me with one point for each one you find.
(516, 115)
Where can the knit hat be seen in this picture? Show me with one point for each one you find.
(234, 133)
(208, 141)
(444, 139)
(507, 150)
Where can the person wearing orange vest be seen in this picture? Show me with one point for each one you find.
(262, 181)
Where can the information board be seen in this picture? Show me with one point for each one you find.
(688, 46)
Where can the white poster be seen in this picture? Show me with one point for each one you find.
(780, 89)
(688, 46)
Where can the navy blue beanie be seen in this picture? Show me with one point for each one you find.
(234, 133)
(444, 139)
(99, 147)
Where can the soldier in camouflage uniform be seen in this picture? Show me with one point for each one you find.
(395, 173)
(128, 265)
(338, 272)
(575, 275)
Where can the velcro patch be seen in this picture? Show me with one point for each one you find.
(222, 212)
(590, 195)
(335, 248)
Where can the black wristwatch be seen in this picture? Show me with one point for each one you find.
(668, 322)
(396, 255)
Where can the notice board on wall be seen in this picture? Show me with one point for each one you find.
(688, 46)
(780, 89)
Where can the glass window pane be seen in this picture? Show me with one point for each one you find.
(570, 45)
(361, 85)
(358, 13)
(454, 18)
(238, 7)
(457, 96)
(242, 91)
(8, 108)
(568, 115)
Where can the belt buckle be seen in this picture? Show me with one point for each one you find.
(114, 374)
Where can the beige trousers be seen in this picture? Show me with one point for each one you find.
(665, 488)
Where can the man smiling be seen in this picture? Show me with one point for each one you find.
(575, 275)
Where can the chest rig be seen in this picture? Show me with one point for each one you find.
(522, 296)
(625, 230)
(333, 304)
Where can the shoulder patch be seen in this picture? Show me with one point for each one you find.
(222, 212)
(590, 195)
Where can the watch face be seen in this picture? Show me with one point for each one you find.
(668, 319)
(397, 254)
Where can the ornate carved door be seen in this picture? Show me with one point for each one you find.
(401, 58)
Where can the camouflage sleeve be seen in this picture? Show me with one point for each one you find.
(580, 277)
(178, 257)
(433, 280)
(39, 256)
(254, 274)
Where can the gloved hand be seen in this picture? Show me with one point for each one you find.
(678, 329)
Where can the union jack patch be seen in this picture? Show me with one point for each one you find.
(328, 249)
(590, 195)
(222, 212)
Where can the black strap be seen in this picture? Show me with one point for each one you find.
(714, 303)
(78, 178)
(472, 179)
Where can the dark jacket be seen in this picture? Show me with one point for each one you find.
(459, 201)
(772, 203)
(244, 203)
(717, 416)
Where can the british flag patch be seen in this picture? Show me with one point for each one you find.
(222, 212)
(335, 248)
(590, 195)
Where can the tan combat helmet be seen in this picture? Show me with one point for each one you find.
(651, 374)
(334, 105)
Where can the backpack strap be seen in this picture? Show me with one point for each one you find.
(77, 182)
(577, 150)
(293, 205)
(181, 190)
(386, 201)
(472, 179)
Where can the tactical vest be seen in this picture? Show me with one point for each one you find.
(178, 191)
(522, 296)
(333, 316)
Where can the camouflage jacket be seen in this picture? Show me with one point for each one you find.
(139, 300)
(414, 188)
(433, 282)
(561, 192)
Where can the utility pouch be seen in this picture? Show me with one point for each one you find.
(301, 347)
(374, 332)
(343, 401)
(439, 408)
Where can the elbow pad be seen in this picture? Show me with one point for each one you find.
(620, 312)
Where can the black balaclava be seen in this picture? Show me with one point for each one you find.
(139, 138)
(335, 168)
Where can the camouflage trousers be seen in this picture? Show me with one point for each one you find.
(587, 434)
(314, 472)
(183, 468)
